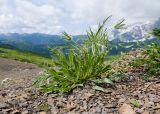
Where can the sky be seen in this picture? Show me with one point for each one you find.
(72, 16)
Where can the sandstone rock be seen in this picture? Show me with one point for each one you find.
(145, 112)
(3, 105)
(25, 112)
(126, 109)
(42, 112)
(16, 112)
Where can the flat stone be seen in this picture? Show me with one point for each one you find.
(126, 109)
(3, 105)
(121, 100)
(145, 112)
(25, 112)
(24, 104)
(16, 112)
(140, 111)
(149, 104)
(111, 105)
(42, 112)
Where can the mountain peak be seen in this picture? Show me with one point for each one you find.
(135, 32)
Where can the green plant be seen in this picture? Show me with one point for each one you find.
(150, 61)
(43, 107)
(135, 103)
(82, 62)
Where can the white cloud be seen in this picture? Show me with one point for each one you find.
(26, 17)
(92, 10)
(53, 16)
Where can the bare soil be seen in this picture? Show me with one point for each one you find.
(17, 71)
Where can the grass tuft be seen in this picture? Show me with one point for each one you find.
(80, 64)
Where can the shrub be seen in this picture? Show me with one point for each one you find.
(151, 59)
(82, 62)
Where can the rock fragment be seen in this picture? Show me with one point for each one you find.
(126, 109)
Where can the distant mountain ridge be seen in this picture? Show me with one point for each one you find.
(36, 42)
(134, 32)
(120, 40)
(35, 38)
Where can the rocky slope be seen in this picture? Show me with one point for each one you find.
(131, 95)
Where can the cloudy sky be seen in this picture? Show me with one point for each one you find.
(73, 16)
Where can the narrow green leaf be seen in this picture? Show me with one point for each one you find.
(106, 80)
(98, 88)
